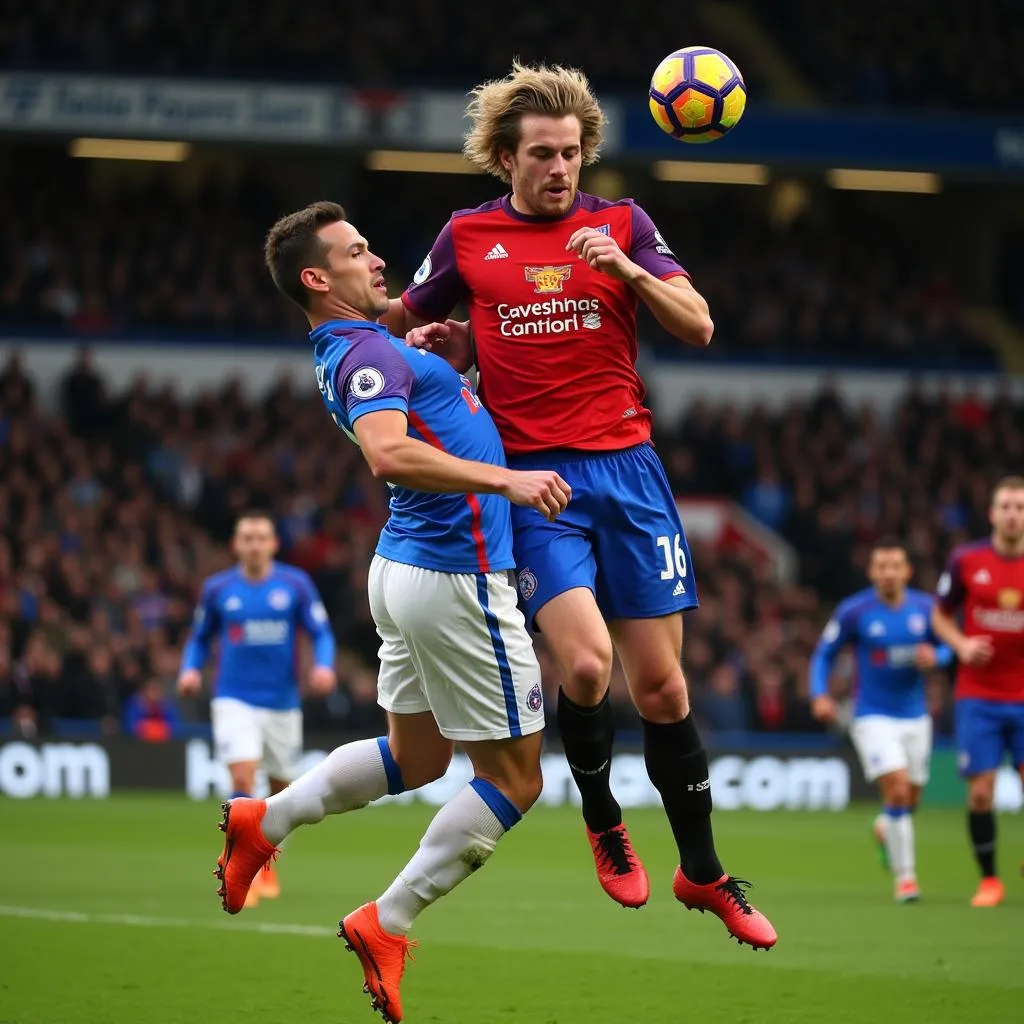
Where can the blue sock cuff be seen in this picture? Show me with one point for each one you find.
(396, 784)
(238, 794)
(501, 807)
(896, 812)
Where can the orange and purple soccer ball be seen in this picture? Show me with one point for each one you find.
(697, 94)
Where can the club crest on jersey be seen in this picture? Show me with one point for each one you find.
(527, 584)
(1009, 598)
(279, 600)
(548, 280)
(535, 699)
(917, 624)
(367, 382)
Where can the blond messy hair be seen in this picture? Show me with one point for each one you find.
(497, 108)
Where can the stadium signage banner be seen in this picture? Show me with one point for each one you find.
(166, 108)
(740, 779)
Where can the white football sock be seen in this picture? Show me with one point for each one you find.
(899, 843)
(459, 840)
(348, 778)
(905, 827)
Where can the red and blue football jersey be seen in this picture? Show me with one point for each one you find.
(555, 340)
(989, 588)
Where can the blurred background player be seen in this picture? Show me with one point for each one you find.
(257, 611)
(984, 582)
(552, 277)
(889, 627)
(457, 663)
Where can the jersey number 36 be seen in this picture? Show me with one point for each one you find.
(675, 556)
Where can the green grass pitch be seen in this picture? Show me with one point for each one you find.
(109, 916)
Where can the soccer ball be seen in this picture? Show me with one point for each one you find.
(697, 94)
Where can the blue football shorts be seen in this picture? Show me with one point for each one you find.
(620, 537)
(986, 731)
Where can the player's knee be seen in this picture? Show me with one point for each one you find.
(980, 799)
(589, 673)
(663, 698)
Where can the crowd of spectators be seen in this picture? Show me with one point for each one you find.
(877, 53)
(147, 256)
(414, 43)
(119, 505)
(880, 53)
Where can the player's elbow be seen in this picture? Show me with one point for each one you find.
(703, 332)
(382, 459)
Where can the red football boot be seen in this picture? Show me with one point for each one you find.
(726, 899)
(619, 870)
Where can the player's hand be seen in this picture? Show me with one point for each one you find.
(975, 650)
(442, 336)
(322, 680)
(924, 657)
(190, 682)
(542, 489)
(824, 708)
(601, 252)
(429, 335)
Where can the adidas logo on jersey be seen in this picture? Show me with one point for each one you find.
(497, 252)
(679, 590)
(982, 576)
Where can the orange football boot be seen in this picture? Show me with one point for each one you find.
(619, 870)
(245, 851)
(990, 893)
(382, 956)
(907, 891)
(726, 899)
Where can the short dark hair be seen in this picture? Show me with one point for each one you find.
(1008, 483)
(256, 513)
(890, 542)
(293, 244)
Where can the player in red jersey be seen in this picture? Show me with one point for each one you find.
(985, 581)
(552, 278)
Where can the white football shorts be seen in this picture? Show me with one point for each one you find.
(243, 732)
(887, 744)
(455, 644)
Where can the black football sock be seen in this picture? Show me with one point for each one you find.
(982, 826)
(587, 737)
(678, 766)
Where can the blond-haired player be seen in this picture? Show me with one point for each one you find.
(553, 278)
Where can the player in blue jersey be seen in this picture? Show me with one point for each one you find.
(889, 628)
(457, 662)
(257, 611)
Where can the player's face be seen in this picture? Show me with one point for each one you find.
(354, 275)
(255, 544)
(545, 169)
(889, 571)
(1007, 514)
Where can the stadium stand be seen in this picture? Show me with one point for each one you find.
(121, 503)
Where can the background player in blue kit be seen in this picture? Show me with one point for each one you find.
(457, 663)
(889, 627)
(257, 611)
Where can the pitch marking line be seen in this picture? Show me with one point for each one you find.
(140, 921)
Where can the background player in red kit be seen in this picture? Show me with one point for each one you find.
(552, 278)
(985, 581)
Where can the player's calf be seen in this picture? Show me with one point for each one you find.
(458, 842)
